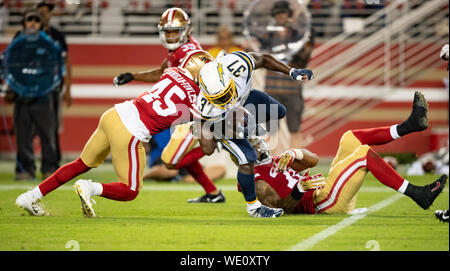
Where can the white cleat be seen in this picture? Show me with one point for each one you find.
(83, 190)
(27, 202)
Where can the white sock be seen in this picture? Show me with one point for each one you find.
(96, 189)
(254, 205)
(394, 132)
(36, 193)
(403, 187)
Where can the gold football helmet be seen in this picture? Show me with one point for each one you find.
(194, 60)
(174, 28)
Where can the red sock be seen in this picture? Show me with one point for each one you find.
(118, 191)
(63, 175)
(190, 158)
(383, 171)
(197, 172)
(374, 136)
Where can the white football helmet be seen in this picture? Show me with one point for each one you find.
(217, 85)
(262, 149)
(174, 19)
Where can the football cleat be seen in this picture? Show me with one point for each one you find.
(425, 195)
(442, 215)
(83, 190)
(264, 211)
(209, 198)
(27, 202)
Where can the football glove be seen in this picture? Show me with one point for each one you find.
(123, 78)
(285, 161)
(297, 74)
(313, 182)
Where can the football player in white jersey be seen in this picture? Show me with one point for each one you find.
(226, 86)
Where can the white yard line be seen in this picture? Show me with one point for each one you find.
(312, 241)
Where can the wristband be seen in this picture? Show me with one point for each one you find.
(298, 154)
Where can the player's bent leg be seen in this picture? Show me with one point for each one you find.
(347, 145)
(343, 183)
(264, 107)
(181, 142)
(245, 154)
(94, 153)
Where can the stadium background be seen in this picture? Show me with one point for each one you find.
(368, 61)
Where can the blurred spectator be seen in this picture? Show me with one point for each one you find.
(225, 41)
(280, 86)
(3, 16)
(392, 161)
(432, 162)
(29, 59)
(63, 91)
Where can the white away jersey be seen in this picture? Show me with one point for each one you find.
(240, 65)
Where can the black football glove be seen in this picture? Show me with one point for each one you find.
(297, 74)
(123, 78)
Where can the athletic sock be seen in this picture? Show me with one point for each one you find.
(197, 172)
(247, 183)
(253, 205)
(376, 136)
(63, 175)
(96, 189)
(190, 157)
(385, 173)
(118, 191)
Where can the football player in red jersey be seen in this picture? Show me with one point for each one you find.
(182, 151)
(175, 34)
(279, 183)
(121, 131)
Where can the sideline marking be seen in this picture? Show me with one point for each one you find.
(310, 242)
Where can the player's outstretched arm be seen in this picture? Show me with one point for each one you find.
(267, 61)
(152, 75)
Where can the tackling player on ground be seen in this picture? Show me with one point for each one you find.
(280, 184)
(121, 131)
(226, 87)
(182, 151)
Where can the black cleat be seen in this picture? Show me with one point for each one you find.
(424, 196)
(442, 215)
(209, 198)
(417, 120)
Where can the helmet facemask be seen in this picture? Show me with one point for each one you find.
(262, 149)
(173, 43)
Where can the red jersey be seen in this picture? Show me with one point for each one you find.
(174, 57)
(169, 100)
(284, 182)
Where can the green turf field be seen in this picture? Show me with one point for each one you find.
(161, 219)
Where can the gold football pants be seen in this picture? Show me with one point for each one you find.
(127, 152)
(345, 177)
(181, 142)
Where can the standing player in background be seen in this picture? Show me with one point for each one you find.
(443, 215)
(121, 131)
(175, 34)
(46, 9)
(226, 87)
(280, 184)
